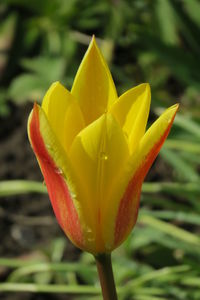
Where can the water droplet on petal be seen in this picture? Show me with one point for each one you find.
(59, 171)
(104, 156)
(91, 239)
(126, 134)
(88, 230)
(90, 235)
(73, 195)
(48, 147)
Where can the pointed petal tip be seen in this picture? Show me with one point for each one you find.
(55, 82)
(93, 39)
(93, 43)
(175, 107)
(142, 88)
(35, 106)
(35, 110)
(93, 86)
(146, 85)
(171, 111)
(33, 118)
(54, 85)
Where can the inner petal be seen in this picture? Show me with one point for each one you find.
(132, 110)
(98, 155)
(93, 86)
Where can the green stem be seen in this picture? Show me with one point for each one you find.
(104, 267)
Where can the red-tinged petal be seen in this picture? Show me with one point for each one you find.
(57, 187)
(151, 142)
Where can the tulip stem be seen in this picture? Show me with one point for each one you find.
(104, 267)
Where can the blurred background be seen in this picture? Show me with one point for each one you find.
(42, 41)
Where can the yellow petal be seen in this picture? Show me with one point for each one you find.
(155, 135)
(98, 155)
(93, 86)
(73, 123)
(63, 113)
(131, 111)
(124, 200)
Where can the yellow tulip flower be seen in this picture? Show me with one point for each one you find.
(94, 153)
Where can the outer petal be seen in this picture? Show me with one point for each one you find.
(93, 85)
(127, 192)
(98, 155)
(131, 111)
(57, 174)
(62, 111)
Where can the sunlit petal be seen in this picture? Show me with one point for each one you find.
(124, 200)
(94, 153)
(98, 155)
(131, 111)
(93, 85)
(63, 113)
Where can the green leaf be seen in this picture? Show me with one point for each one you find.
(27, 87)
(167, 21)
(193, 9)
(183, 169)
(48, 68)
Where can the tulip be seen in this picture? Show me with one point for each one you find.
(94, 152)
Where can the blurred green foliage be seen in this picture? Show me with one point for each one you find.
(143, 41)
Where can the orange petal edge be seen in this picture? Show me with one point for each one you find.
(58, 191)
(129, 204)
